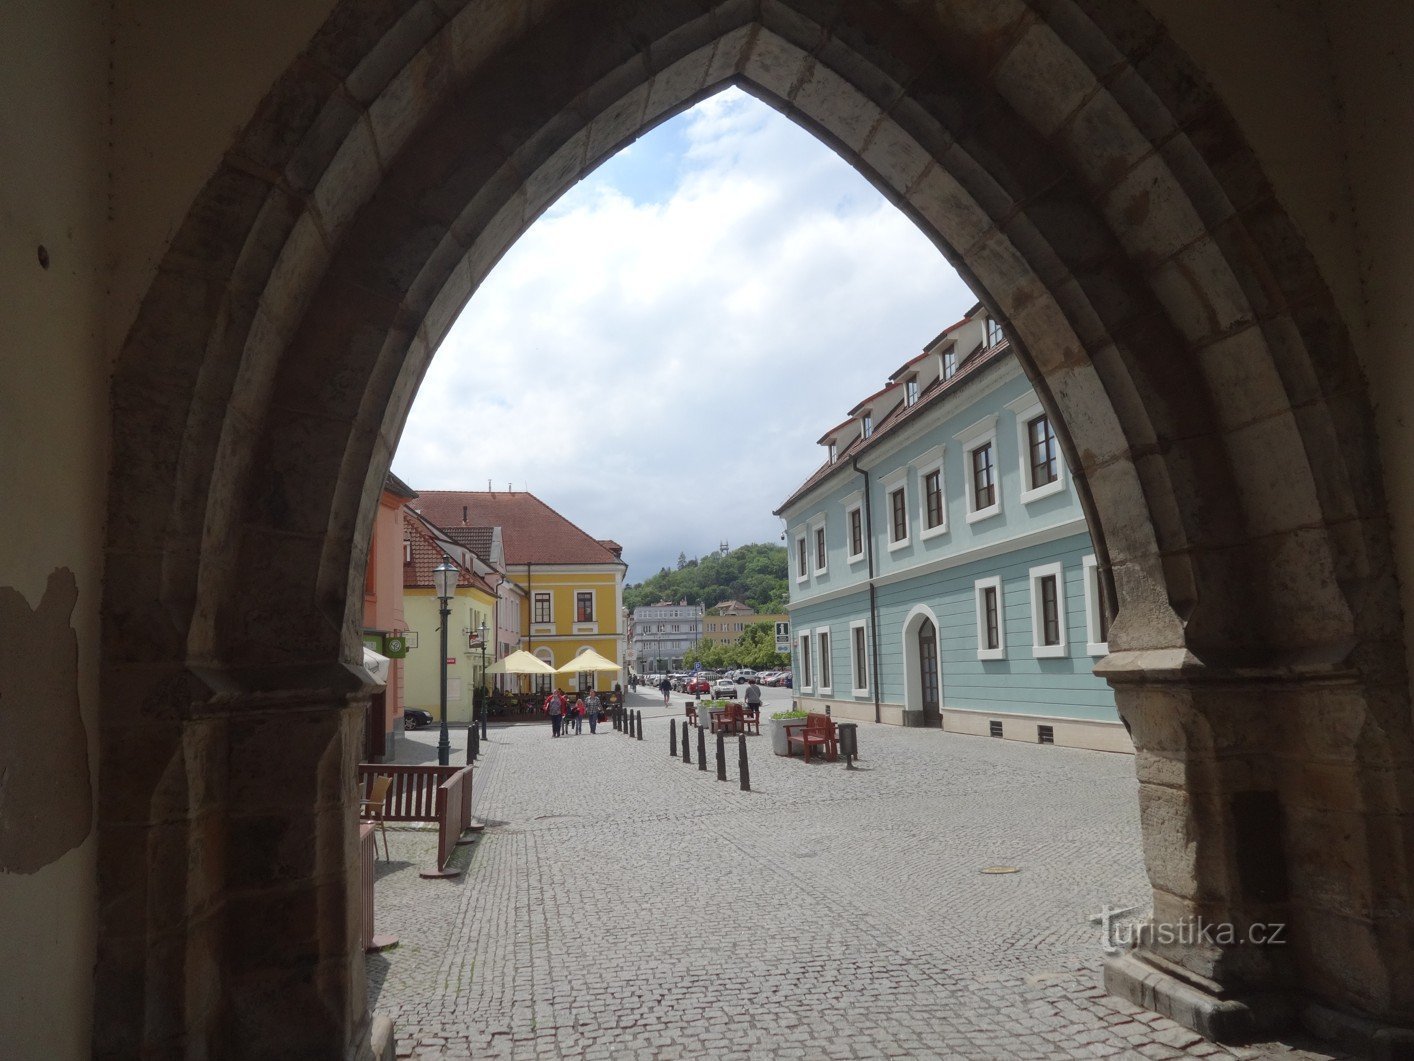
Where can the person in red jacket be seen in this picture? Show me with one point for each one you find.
(556, 707)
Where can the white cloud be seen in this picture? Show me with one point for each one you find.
(658, 371)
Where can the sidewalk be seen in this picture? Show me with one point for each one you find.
(624, 904)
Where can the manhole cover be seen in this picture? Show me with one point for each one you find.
(1000, 869)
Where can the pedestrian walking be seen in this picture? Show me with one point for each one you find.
(665, 687)
(593, 706)
(555, 707)
(577, 714)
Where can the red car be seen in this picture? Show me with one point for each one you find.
(699, 685)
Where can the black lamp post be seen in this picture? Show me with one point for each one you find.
(480, 694)
(444, 577)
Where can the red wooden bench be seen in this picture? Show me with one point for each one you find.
(730, 721)
(818, 730)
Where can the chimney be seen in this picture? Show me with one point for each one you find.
(463, 515)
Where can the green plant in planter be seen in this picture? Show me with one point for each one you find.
(790, 714)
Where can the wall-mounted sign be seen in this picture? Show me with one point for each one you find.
(395, 646)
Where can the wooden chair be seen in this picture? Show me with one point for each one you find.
(751, 719)
(692, 712)
(818, 730)
(730, 721)
(371, 810)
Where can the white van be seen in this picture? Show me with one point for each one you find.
(741, 676)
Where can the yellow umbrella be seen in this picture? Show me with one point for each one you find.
(588, 660)
(520, 662)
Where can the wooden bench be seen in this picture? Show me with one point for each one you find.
(729, 720)
(818, 730)
(751, 719)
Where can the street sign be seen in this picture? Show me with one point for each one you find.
(783, 637)
(451, 660)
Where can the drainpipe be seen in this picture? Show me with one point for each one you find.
(873, 599)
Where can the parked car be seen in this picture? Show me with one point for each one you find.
(416, 718)
(724, 687)
(699, 684)
(742, 675)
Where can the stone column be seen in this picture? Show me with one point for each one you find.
(1268, 799)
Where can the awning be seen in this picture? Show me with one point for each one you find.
(376, 665)
(588, 660)
(520, 662)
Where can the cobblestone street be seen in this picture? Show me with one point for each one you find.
(623, 904)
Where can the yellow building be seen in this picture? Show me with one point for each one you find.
(724, 624)
(472, 606)
(573, 583)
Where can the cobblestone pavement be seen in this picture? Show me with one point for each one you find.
(623, 904)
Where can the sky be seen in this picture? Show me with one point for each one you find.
(655, 357)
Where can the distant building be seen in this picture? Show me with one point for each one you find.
(383, 616)
(941, 572)
(725, 623)
(662, 635)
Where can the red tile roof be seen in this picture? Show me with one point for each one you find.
(426, 555)
(531, 531)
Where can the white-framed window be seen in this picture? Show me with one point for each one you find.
(822, 664)
(1048, 611)
(807, 676)
(819, 546)
(896, 519)
(802, 558)
(866, 426)
(949, 363)
(1097, 616)
(932, 494)
(859, 657)
(854, 532)
(991, 618)
(994, 332)
(1042, 467)
(910, 391)
(980, 469)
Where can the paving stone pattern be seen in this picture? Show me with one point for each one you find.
(624, 904)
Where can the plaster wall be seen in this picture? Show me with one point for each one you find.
(53, 459)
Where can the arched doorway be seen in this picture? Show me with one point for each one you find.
(1064, 156)
(922, 668)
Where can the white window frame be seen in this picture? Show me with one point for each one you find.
(855, 503)
(973, 438)
(995, 583)
(824, 664)
(817, 553)
(947, 364)
(1025, 409)
(1093, 645)
(807, 660)
(859, 682)
(1036, 574)
(893, 482)
(834, 452)
(927, 463)
(910, 391)
(866, 425)
(801, 577)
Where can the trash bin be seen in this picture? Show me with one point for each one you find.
(849, 739)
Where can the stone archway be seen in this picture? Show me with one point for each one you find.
(1072, 164)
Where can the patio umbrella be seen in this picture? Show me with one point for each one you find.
(588, 660)
(520, 662)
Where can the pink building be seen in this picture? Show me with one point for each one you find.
(383, 613)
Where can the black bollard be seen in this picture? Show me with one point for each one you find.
(721, 756)
(640, 724)
(686, 748)
(701, 748)
(672, 740)
(485, 710)
(473, 743)
(741, 763)
(618, 717)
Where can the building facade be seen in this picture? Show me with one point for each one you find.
(662, 635)
(941, 570)
(724, 624)
(569, 584)
(383, 615)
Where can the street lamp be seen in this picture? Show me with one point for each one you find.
(444, 577)
(473, 735)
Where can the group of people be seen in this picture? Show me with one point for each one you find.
(566, 714)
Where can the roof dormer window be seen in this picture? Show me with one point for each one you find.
(910, 391)
(994, 333)
(867, 426)
(834, 451)
(950, 364)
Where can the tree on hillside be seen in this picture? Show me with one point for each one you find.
(754, 574)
